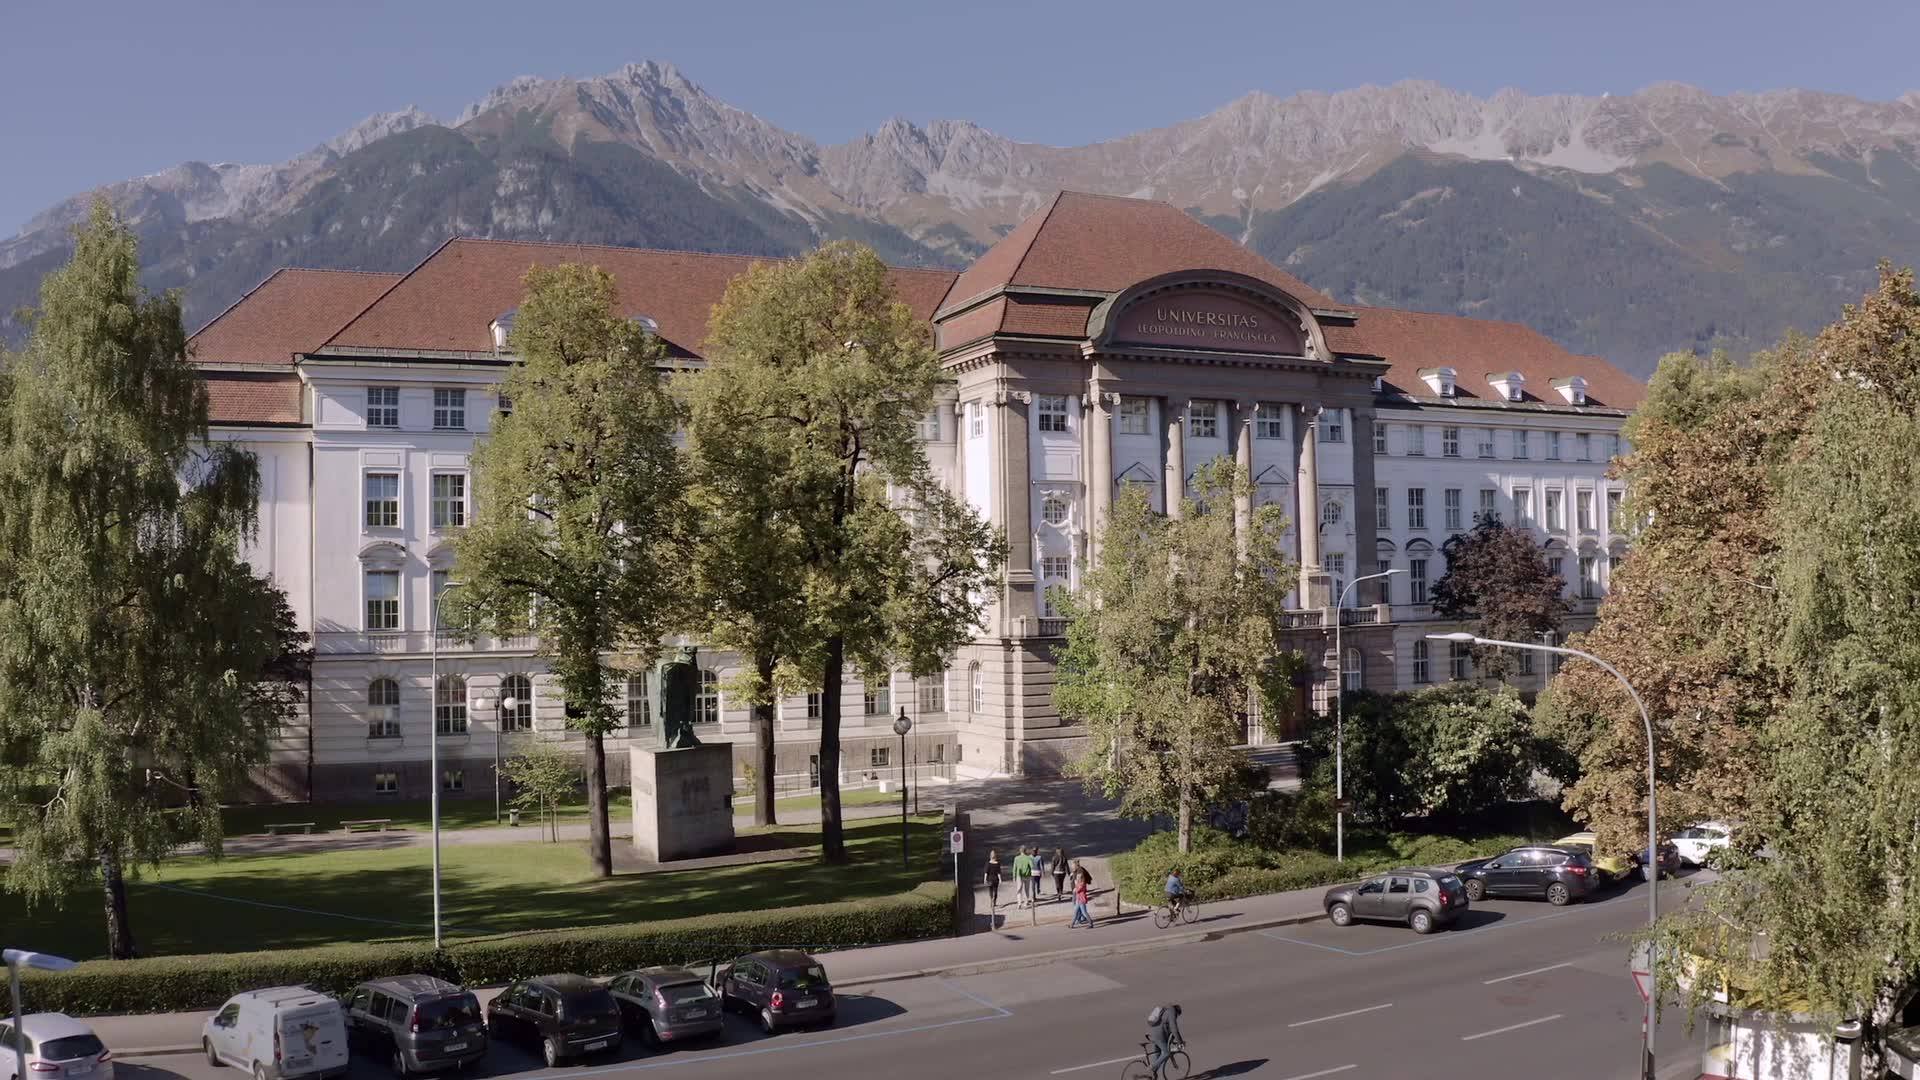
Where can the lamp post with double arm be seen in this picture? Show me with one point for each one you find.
(1340, 715)
(1653, 816)
(15, 960)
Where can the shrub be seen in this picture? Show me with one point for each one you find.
(1221, 868)
(176, 983)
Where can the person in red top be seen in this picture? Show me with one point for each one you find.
(1081, 916)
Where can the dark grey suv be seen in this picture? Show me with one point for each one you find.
(1422, 899)
(1561, 874)
(566, 1016)
(783, 987)
(666, 1005)
(417, 1022)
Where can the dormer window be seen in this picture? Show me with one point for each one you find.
(1440, 380)
(502, 329)
(648, 324)
(1574, 390)
(1510, 385)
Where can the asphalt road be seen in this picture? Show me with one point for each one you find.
(1517, 989)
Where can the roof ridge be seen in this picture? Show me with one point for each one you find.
(241, 299)
(1045, 217)
(661, 251)
(384, 293)
(340, 270)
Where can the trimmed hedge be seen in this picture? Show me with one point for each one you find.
(1222, 868)
(177, 983)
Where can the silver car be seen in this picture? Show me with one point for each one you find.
(58, 1047)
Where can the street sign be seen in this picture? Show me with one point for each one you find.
(1639, 963)
(957, 842)
(1343, 805)
(1643, 982)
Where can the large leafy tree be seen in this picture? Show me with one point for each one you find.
(578, 532)
(1170, 638)
(1454, 750)
(821, 377)
(144, 665)
(1497, 574)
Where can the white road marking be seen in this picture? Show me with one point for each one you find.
(1524, 974)
(1323, 1072)
(1511, 1027)
(1340, 1016)
(1092, 1065)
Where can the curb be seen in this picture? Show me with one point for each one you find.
(156, 1051)
(1090, 952)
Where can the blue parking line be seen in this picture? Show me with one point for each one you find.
(1433, 939)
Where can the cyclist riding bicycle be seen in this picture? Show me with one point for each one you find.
(1176, 891)
(1163, 1031)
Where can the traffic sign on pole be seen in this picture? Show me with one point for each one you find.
(957, 842)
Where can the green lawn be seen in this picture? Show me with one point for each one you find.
(486, 888)
(463, 813)
(858, 797)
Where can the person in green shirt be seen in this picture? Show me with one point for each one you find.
(1022, 869)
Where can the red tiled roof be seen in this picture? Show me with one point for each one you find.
(239, 398)
(448, 302)
(291, 312)
(1476, 348)
(1106, 243)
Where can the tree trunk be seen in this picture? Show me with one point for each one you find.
(763, 813)
(1186, 820)
(599, 838)
(113, 888)
(833, 843)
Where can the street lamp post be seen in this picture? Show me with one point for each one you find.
(433, 738)
(16, 959)
(1340, 716)
(901, 725)
(484, 702)
(1653, 817)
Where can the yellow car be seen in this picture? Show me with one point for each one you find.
(1611, 867)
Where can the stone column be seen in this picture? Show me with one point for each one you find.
(1176, 419)
(1365, 528)
(1016, 508)
(1099, 421)
(1245, 413)
(1307, 526)
(950, 431)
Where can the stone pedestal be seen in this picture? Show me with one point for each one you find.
(682, 802)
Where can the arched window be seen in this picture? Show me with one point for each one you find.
(450, 705)
(1053, 510)
(976, 690)
(706, 708)
(639, 705)
(1351, 669)
(383, 709)
(518, 716)
(1333, 512)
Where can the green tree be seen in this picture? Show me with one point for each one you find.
(143, 665)
(578, 531)
(821, 376)
(543, 779)
(1498, 574)
(1453, 750)
(1170, 638)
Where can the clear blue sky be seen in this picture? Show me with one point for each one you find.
(98, 90)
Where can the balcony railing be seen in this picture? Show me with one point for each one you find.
(1321, 618)
(357, 642)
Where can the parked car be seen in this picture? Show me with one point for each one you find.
(567, 1016)
(418, 1023)
(1611, 868)
(1561, 874)
(1669, 859)
(1422, 899)
(784, 987)
(57, 1047)
(278, 1033)
(665, 1004)
(1697, 842)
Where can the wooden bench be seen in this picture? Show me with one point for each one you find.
(378, 824)
(278, 827)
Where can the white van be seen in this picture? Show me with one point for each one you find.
(278, 1034)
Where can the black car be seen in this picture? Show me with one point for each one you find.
(417, 1022)
(784, 987)
(1422, 899)
(1561, 874)
(566, 1015)
(666, 1005)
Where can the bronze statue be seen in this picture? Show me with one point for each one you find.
(677, 680)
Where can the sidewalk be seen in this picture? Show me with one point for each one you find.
(1011, 944)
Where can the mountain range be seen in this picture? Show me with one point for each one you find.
(1625, 226)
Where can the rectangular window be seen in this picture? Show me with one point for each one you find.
(930, 426)
(1379, 438)
(1558, 565)
(1333, 426)
(976, 419)
(1133, 416)
(1583, 510)
(1053, 412)
(1381, 514)
(449, 500)
(383, 406)
(1614, 446)
(1486, 442)
(1420, 672)
(383, 500)
(503, 405)
(383, 599)
(1449, 442)
(438, 585)
(1556, 510)
(1417, 581)
(1554, 660)
(1453, 508)
(881, 757)
(1526, 661)
(386, 783)
(449, 409)
(1523, 507)
(1459, 660)
(1583, 446)
(1520, 446)
(813, 770)
(1056, 567)
(1269, 422)
(1489, 504)
(1416, 440)
(813, 705)
(1416, 508)
(1613, 511)
(1553, 446)
(1383, 586)
(1337, 571)
(1589, 577)
(1203, 419)
(931, 693)
(450, 706)
(453, 780)
(639, 702)
(877, 700)
(939, 753)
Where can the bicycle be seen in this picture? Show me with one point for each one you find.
(1177, 1067)
(1166, 913)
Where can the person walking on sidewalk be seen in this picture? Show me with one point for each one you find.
(1081, 916)
(1020, 876)
(993, 880)
(1037, 868)
(1059, 873)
